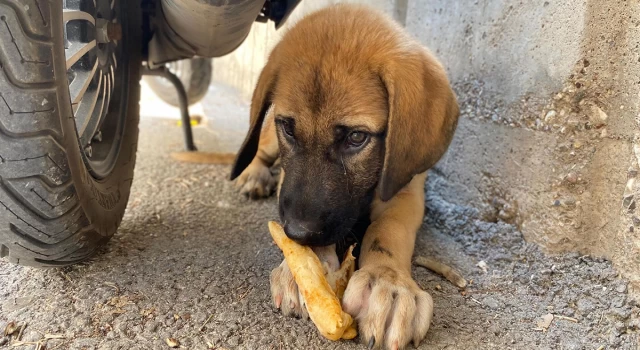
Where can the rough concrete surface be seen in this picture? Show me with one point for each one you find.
(192, 259)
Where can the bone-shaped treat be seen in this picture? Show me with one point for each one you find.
(320, 297)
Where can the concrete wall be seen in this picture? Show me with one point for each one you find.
(549, 93)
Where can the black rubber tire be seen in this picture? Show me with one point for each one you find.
(53, 212)
(195, 74)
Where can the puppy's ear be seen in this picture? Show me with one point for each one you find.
(260, 103)
(423, 115)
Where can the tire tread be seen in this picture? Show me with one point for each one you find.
(41, 220)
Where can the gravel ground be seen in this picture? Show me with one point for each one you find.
(192, 258)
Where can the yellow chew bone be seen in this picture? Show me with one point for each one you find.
(322, 303)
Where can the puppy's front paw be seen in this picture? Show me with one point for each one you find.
(389, 306)
(284, 292)
(256, 181)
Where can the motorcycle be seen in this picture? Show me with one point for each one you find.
(69, 107)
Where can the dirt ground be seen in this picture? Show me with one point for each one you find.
(192, 259)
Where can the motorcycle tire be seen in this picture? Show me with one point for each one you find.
(69, 108)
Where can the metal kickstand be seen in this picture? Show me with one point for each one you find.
(182, 98)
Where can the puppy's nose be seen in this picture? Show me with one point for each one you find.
(304, 232)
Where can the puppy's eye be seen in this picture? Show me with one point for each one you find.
(357, 138)
(287, 126)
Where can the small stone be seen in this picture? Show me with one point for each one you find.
(598, 116)
(577, 145)
(629, 188)
(545, 322)
(172, 342)
(507, 212)
(571, 178)
(556, 203)
(483, 266)
(632, 172)
(621, 288)
(550, 116)
(438, 287)
(569, 201)
(635, 220)
(604, 133)
(629, 202)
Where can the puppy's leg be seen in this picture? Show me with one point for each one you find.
(256, 180)
(388, 304)
(284, 290)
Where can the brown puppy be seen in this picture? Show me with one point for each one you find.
(357, 111)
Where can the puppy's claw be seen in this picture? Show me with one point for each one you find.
(372, 342)
(277, 300)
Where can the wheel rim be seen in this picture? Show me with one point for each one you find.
(96, 71)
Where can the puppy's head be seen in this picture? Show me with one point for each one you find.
(360, 109)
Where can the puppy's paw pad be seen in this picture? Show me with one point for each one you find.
(256, 181)
(284, 292)
(389, 306)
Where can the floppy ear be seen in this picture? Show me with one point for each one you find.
(260, 103)
(423, 115)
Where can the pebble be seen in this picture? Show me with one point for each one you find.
(550, 116)
(570, 201)
(572, 178)
(598, 116)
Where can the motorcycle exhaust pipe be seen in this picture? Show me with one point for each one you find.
(206, 28)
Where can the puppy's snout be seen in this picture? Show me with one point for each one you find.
(304, 232)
